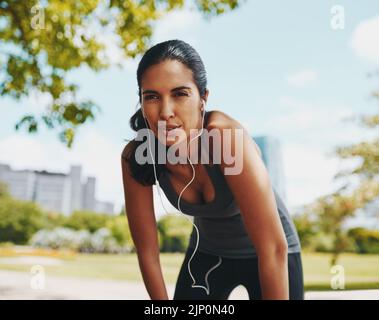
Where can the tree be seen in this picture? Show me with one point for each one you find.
(366, 151)
(366, 240)
(42, 41)
(119, 227)
(174, 232)
(19, 220)
(306, 226)
(4, 193)
(86, 220)
(334, 209)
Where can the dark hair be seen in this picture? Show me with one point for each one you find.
(167, 50)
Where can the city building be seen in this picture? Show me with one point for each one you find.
(53, 191)
(272, 158)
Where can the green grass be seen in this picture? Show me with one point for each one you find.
(361, 271)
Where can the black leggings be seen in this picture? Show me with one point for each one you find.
(228, 275)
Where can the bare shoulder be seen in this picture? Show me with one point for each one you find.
(221, 120)
(126, 154)
(127, 150)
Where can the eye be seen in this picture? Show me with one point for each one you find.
(181, 94)
(150, 96)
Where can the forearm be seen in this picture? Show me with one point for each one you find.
(153, 278)
(273, 274)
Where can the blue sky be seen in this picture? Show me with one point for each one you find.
(277, 67)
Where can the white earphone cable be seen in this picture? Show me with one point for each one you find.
(194, 285)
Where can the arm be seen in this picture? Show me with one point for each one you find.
(254, 195)
(139, 209)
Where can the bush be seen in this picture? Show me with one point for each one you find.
(87, 220)
(306, 229)
(366, 240)
(120, 230)
(321, 243)
(100, 241)
(54, 220)
(4, 192)
(174, 233)
(19, 220)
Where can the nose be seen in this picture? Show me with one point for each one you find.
(166, 111)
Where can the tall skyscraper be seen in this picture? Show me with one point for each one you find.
(76, 187)
(273, 160)
(89, 188)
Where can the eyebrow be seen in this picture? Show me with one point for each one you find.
(172, 90)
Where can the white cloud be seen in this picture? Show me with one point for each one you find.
(35, 103)
(181, 24)
(302, 78)
(98, 156)
(323, 123)
(309, 131)
(294, 115)
(309, 172)
(113, 53)
(365, 40)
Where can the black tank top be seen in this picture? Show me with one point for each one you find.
(221, 228)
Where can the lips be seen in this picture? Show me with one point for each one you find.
(172, 126)
(171, 131)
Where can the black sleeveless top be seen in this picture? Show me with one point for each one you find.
(221, 228)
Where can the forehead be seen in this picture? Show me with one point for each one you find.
(167, 75)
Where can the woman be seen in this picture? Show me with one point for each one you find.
(246, 234)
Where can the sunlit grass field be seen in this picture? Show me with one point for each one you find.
(361, 271)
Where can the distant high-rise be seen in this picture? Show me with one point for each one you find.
(51, 191)
(58, 192)
(272, 158)
(21, 183)
(89, 188)
(76, 187)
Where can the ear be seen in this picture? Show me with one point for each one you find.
(205, 96)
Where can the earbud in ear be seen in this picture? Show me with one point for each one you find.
(203, 105)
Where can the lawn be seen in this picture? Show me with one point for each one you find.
(361, 271)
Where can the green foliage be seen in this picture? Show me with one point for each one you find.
(53, 220)
(120, 230)
(42, 41)
(367, 241)
(174, 233)
(86, 220)
(334, 209)
(19, 220)
(306, 228)
(367, 151)
(4, 193)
